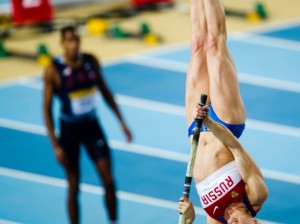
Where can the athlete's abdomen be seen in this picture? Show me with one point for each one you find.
(211, 155)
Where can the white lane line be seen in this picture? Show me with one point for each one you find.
(166, 49)
(130, 101)
(30, 83)
(27, 79)
(182, 68)
(22, 126)
(15, 80)
(279, 84)
(273, 128)
(280, 176)
(107, 62)
(149, 151)
(180, 111)
(92, 189)
(143, 150)
(274, 26)
(160, 63)
(118, 145)
(261, 40)
(5, 221)
(150, 105)
(181, 157)
(246, 78)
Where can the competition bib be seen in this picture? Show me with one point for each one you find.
(83, 101)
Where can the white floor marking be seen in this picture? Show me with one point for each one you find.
(266, 41)
(4, 221)
(88, 188)
(143, 150)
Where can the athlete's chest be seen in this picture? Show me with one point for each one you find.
(79, 77)
(77, 88)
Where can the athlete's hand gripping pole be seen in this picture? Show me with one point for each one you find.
(190, 167)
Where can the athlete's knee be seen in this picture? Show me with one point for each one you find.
(198, 42)
(73, 185)
(73, 190)
(108, 182)
(217, 27)
(216, 43)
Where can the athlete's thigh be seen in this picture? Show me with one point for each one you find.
(69, 141)
(224, 88)
(104, 169)
(95, 141)
(99, 151)
(197, 82)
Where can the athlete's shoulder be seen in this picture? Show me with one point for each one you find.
(58, 60)
(89, 56)
(50, 71)
(92, 58)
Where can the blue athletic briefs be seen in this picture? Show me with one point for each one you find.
(236, 129)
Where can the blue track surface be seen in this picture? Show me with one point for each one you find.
(149, 183)
(289, 33)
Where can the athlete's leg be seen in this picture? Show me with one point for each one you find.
(99, 152)
(70, 145)
(197, 81)
(73, 190)
(104, 169)
(224, 90)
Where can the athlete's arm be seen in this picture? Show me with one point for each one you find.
(47, 105)
(48, 116)
(109, 99)
(250, 173)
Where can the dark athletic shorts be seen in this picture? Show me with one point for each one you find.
(88, 133)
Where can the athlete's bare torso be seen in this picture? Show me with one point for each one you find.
(211, 156)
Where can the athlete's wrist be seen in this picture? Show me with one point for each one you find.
(189, 220)
(56, 145)
(123, 124)
(207, 121)
(57, 148)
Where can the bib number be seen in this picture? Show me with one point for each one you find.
(31, 3)
(83, 101)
